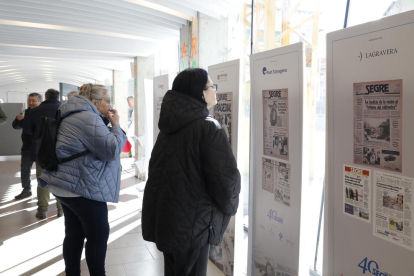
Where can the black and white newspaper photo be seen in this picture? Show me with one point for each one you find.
(159, 102)
(223, 112)
(378, 124)
(264, 265)
(276, 180)
(268, 167)
(357, 192)
(276, 123)
(282, 183)
(392, 207)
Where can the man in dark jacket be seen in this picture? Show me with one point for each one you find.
(26, 164)
(31, 125)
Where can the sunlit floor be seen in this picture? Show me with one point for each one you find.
(29, 246)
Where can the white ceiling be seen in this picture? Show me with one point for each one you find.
(79, 41)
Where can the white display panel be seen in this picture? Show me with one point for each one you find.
(276, 167)
(369, 124)
(161, 86)
(228, 256)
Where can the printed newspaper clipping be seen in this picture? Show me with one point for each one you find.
(223, 112)
(276, 179)
(357, 192)
(159, 103)
(378, 124)
(267, 266)
(392, 206)
(276, 123)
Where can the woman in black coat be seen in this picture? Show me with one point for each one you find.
(194, 184)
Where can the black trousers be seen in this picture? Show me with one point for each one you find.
(25, 170)
(85, 218)
(190, 263)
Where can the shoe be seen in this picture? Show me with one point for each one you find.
(40, 215)
(23, 194)
(60, 214)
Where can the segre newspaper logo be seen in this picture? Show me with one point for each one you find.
(372, 267)
(273, 72)
(222, 77)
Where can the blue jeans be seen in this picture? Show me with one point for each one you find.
(85, 218)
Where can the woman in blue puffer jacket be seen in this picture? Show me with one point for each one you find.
(85, 185)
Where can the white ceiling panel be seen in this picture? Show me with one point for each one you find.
(79, 41)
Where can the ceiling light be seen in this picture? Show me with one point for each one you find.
(8, 70)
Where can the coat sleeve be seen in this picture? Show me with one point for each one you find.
(16, 124)
(103, 142)
(3, 117)
(28, 124)
(221, 173)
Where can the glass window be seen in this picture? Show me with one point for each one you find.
(377, 9)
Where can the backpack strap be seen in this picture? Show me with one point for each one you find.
(64, 160)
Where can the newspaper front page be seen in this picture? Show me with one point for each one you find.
(378, 124)
(222, 112)
(276, 123)
(357, 192)
(392, 207)
(222, 256)
(276, 180)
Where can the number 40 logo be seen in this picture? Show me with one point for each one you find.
(372, 267)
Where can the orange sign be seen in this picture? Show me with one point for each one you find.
(184, 51)
(193, 46)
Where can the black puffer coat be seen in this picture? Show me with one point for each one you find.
(194, 184)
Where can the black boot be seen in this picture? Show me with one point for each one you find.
(24, 194)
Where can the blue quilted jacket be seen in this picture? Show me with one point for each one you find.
(97, 175)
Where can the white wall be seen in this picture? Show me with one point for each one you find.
(27, 87)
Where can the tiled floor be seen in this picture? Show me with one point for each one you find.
(29, 246)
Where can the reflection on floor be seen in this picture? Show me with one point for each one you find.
(29, 246)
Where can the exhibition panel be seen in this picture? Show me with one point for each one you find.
(369, 182)
(161, 86)
(276, 168)
(228, 255)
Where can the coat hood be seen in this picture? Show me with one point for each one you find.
(75, 104)
(178, 110)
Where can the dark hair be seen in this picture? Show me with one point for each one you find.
(39, 97)
(191, 82)
(52, 94)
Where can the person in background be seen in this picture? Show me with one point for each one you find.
(85, 185)
(194, 184)
(31, 126)
(72, 93)
(34, 100)
(131, 127)
(3, 117)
